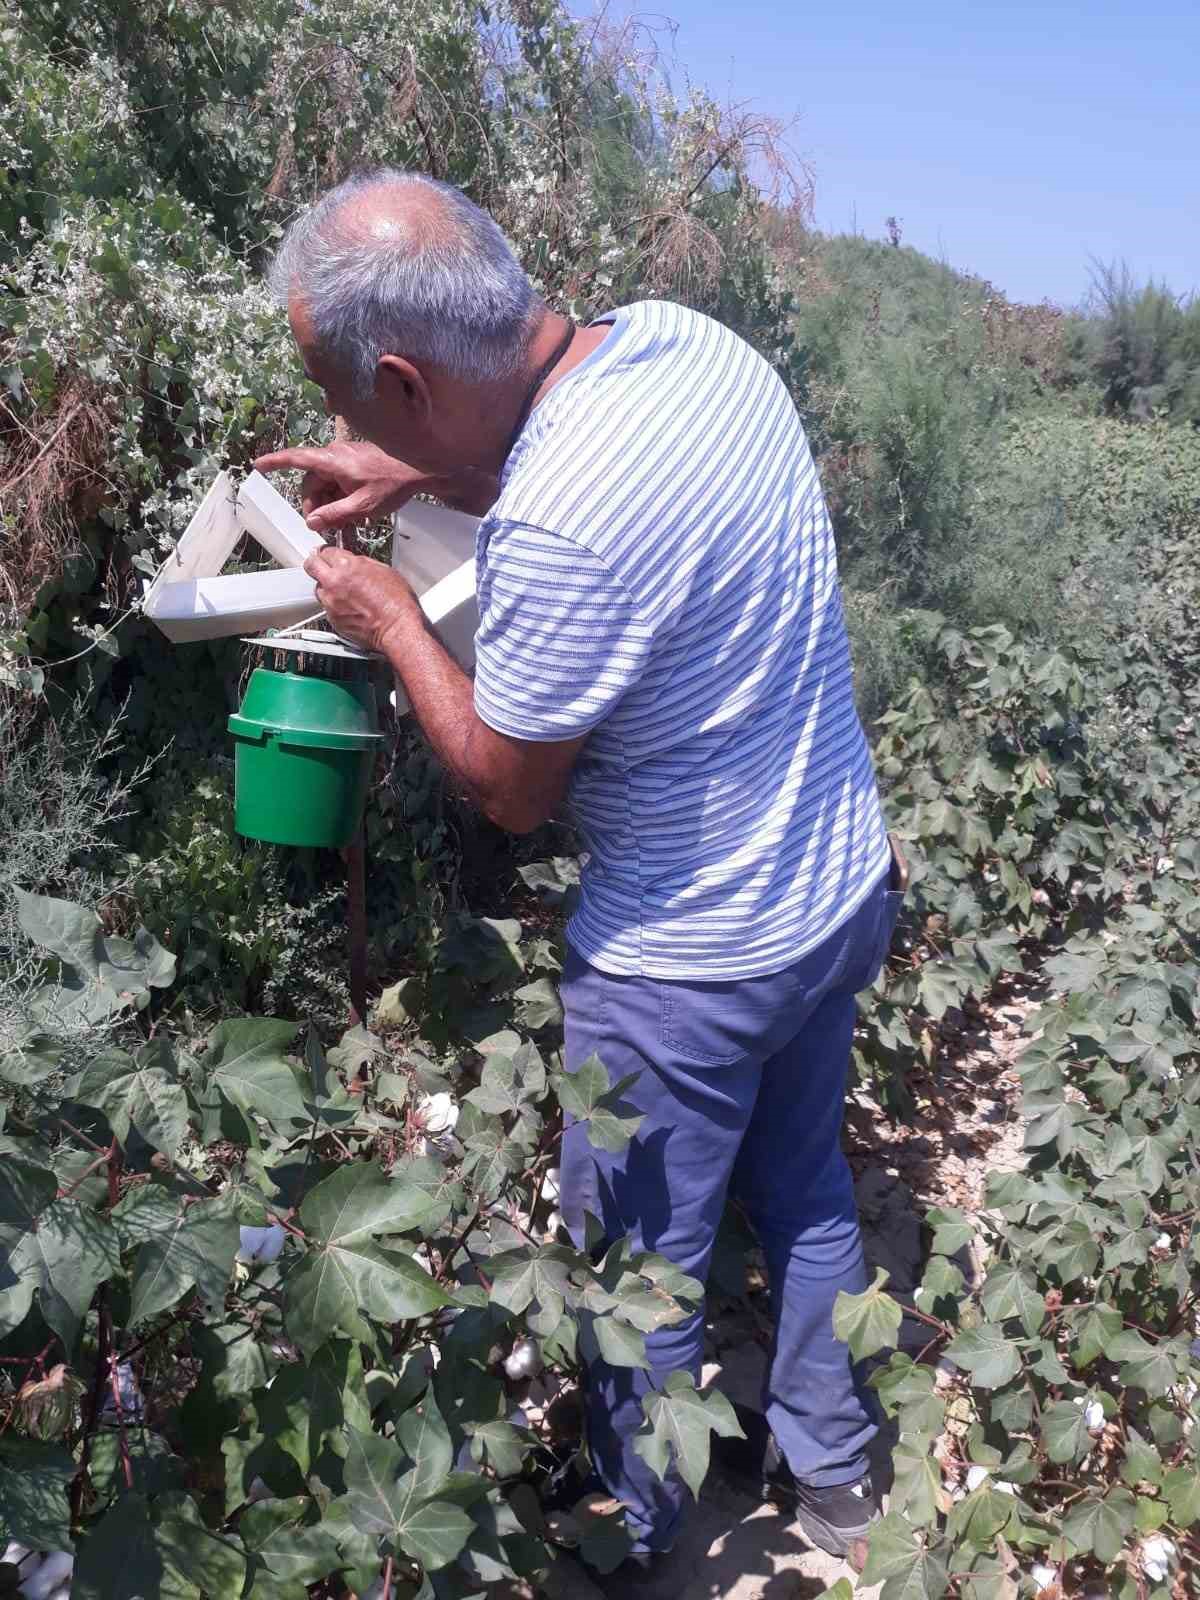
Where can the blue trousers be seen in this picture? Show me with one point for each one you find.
(743, 1088)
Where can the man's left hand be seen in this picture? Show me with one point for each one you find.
(363, 599)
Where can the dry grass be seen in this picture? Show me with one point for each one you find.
(51, 478)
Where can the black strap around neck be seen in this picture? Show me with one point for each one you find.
(543, 372)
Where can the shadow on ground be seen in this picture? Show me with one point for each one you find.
(732, 1547)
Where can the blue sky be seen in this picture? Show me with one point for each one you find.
(1015, 140)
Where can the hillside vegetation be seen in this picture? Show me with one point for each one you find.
(271, 1293)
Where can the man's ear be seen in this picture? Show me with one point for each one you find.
(403, 389)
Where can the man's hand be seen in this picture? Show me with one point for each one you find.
(347, 483)
(363, 599)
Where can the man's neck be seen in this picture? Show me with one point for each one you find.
(500, 406)
(552, 329)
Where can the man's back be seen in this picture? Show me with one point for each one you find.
(659, 568)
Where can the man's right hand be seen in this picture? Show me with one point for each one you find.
(347, 483)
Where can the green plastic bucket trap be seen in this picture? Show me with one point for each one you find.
(305, 747)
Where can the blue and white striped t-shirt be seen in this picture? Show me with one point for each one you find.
(659, 572)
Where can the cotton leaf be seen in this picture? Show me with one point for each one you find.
(985, 1352)
(195, 1250)
(1100, 1526)
(286, 1555)
(63, 1261)
(679, 1421)
(33, 1493)
(587, 1095)
(426, 1441)
(246, 1061)
(141, 1091)
(345, 1271)
(867, 1322)
(167, 1553)
(501, 1445)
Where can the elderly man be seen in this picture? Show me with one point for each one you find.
(661, 646)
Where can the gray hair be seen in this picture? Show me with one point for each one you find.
(438, 282)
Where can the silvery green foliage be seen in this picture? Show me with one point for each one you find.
(57, 804)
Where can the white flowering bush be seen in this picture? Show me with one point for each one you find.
(138, 221)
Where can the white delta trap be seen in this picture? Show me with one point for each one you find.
(191, 598)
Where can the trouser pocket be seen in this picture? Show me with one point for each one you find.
(890, 902)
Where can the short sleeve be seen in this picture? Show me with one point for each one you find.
(559, 640)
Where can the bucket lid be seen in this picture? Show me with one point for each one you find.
(327, 713)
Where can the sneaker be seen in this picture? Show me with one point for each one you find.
(831, 1518)
(834, 1517)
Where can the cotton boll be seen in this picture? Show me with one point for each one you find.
(975, 1476)
(261, 1244)
(1002, 1486)
(54, 1570)
(1043, 1576)
(550, 1182)
(524, 1360)
(1163, 1242)
(1093, 1412)
(438, 1113)
(553, 1223)
(1157, 1554)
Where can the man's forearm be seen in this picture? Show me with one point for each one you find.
(516, 782)
(442, 699)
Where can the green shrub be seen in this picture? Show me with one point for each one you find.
(58, 813)
(1140, 346)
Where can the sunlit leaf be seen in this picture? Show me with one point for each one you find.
(679, 1422)
(867, 1322)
